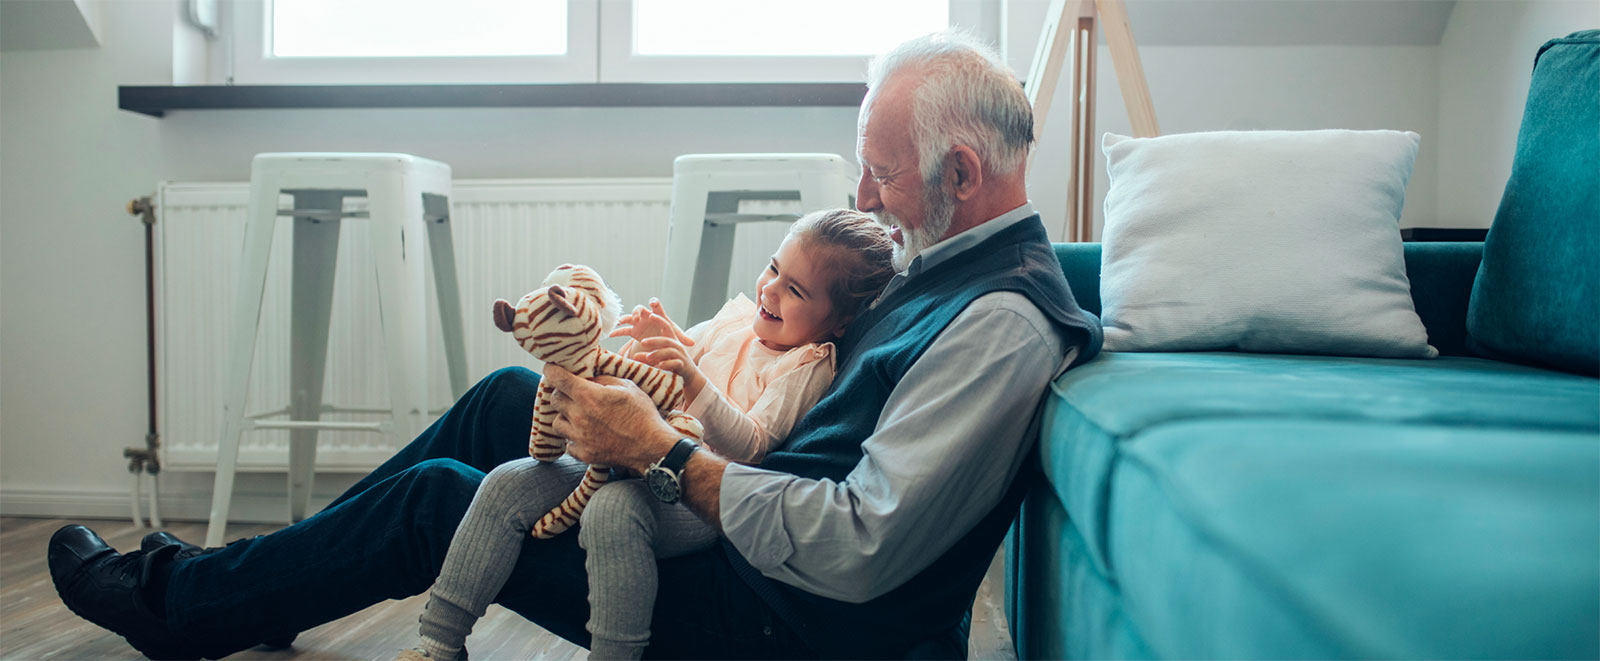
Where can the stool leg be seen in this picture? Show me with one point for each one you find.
(715, 259)
(397, 245)
(242, 349)
(688, 219)
(316, 250)
(436, 211)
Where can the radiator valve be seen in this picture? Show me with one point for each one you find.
(141, 207)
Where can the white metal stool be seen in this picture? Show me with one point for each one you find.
(706, 191)
(408, 204)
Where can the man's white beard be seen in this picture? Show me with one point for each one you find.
(939, 208)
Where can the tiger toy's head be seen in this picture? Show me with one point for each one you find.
(563, 321)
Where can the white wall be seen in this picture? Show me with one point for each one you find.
(72, 323)
(72, 336)
(1485, 65)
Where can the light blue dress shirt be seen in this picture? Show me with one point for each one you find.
(949, 440)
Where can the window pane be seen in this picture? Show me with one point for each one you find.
(418, 28)
(813, 27)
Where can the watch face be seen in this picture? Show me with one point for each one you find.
(663, 484)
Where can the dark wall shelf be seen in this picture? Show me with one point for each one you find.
(1443, 234)
(158, 100)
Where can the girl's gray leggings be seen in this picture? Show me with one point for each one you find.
(623, 530)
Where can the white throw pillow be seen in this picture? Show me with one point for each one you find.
(1270, 241)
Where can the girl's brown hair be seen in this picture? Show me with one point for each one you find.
(864, 255)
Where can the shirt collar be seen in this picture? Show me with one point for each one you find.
(955, 245)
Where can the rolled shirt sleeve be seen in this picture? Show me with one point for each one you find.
(950, 438)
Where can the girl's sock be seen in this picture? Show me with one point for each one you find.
(444, 628)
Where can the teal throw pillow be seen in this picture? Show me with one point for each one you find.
(1536, 299)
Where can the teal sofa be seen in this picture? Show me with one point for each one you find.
(1231, 505)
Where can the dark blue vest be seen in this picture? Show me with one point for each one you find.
(826, 443)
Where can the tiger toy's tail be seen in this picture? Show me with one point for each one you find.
(557, 520)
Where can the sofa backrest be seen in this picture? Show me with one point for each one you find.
(1441, 277)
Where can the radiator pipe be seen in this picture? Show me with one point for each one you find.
(147, 459)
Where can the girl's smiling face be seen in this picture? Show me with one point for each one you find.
(794, 306)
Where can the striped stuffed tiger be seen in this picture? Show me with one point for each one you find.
(561, 323)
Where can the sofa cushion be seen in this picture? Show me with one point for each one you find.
(1096, 408)
(1537, 296)
(1272, 505)
(1268, 538)
(1269, 241)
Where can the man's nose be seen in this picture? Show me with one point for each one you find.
(867, 193)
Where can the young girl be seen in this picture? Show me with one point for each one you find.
(749, 373)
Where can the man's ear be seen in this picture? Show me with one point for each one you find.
(963, 172)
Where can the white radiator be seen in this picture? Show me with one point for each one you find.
(508, 234)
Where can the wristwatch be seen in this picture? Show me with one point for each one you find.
(665, 477)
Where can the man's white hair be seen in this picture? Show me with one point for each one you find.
(968, 96)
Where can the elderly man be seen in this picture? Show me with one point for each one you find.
(866, 535)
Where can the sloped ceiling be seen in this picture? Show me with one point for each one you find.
(49, 24)
(1289, 22)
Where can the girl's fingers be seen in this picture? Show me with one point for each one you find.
(659, 357)
(672, 365)
(655, 306)
(655, 345)
(659, 342)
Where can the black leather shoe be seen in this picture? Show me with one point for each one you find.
(156, 540)
(106, 588)
(160, 539)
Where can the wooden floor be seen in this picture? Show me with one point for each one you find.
(35, 625)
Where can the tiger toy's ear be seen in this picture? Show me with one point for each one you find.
(558, 297)
(505, 315)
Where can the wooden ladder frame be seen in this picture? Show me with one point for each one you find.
(1079, 18)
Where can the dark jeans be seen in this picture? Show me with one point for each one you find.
(386, 537)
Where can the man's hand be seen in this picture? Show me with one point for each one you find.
(613, 423)
(609, 422)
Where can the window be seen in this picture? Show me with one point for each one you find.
(396, 28)
(413, 41)
(751, 41)
(730, 28)
(555, 41)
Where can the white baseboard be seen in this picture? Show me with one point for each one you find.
(246, 508)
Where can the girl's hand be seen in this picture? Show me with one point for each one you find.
(669, 354)
(647, 322)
